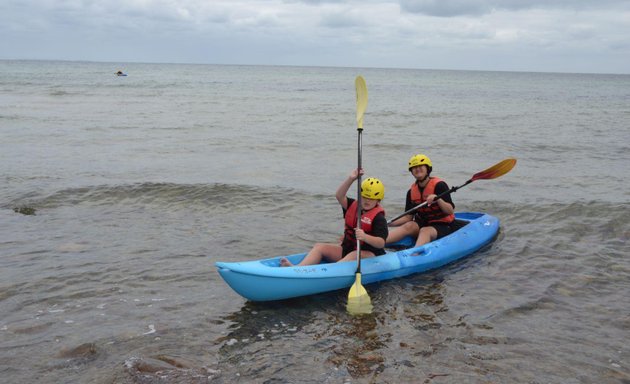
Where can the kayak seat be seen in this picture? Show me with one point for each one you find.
(459, 224)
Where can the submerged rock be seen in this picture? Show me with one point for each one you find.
(25, 210)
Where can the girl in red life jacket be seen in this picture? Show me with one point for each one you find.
(373, 230)
(433, 221)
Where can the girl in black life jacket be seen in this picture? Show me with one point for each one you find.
(433, 221)
(373, 230)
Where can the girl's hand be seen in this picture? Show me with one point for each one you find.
(430, 199)
(360, 234)
(355, 173)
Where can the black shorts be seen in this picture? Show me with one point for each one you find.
(347, 248)
(445, 229)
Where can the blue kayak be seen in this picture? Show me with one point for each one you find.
(264, 280)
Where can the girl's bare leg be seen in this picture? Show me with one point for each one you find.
(427, 234)
(410, 228)
(319, 252)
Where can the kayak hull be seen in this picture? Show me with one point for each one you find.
(265, 280)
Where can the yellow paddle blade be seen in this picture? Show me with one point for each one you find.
(499, 169)
(359, 307)
(357, 290)
(358, 299)
(362, 99)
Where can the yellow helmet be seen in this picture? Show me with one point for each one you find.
(372, 188)
(420, 159)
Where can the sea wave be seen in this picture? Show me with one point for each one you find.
(166, 195)
(572, 217)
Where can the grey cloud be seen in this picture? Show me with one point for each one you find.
(450, 8)
(340, 20)
(314, 2)
(582, 33)
(445, 8)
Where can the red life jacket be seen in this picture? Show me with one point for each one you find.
(366, 221)
(434, 213)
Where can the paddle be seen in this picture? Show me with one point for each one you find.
(358, 298)
(497, 170)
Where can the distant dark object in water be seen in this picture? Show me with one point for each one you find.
(120, 73)
(25, 210)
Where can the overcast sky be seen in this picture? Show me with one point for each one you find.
(508, 35)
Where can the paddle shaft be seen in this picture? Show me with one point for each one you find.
(359, 146)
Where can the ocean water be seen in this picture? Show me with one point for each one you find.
(118, 194)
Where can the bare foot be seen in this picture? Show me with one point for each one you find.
(284, 262)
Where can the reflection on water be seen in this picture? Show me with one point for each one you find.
(360, 351)
(267, 338)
